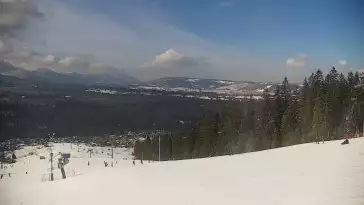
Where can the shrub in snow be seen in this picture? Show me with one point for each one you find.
(9, 160)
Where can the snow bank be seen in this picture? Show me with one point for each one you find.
(306, 174)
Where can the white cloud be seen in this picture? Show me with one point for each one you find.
(172, 63)
(343, 62)
(174, 60)
(74, 64)
(167, 57)
(49, 59)
(68, 61)
(225, 3)
(297, 61)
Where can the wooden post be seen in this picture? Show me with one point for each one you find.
(63, 172)
(51, 155)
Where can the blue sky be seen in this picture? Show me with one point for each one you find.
(332, 28)
(231, 39)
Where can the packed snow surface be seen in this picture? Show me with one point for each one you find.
(308, 174)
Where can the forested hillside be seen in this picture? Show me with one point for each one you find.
(325, 108)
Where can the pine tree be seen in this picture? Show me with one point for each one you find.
(188, 143)
(306, 105)
(250, 121)
(351, 81)
(215, 139)
(276, 137)
(349, 127)
(318, 83)
(176, 149)
(13, 156)
(282, 97)
(332, 103)
(318, 120)
(291, 127)
(267, 122)
(205, 140)
(356, 79)
(198, 141)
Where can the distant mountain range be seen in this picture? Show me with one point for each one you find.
(116, 77)
(222, 87)
(45, 74)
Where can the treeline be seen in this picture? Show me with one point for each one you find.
(324, 108)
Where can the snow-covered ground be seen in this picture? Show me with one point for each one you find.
(308, 174)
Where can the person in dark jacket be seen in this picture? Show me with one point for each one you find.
(346, 141)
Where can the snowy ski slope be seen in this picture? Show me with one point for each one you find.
(308, 174)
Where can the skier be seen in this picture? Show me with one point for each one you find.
(346, 141)
(88, 163)
(9, 174)
(2, 176)
(133, 162)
